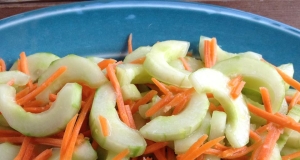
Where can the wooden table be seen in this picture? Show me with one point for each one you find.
(286, 11)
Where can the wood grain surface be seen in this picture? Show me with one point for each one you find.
(286, 11)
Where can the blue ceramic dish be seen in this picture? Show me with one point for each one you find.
(97, 28)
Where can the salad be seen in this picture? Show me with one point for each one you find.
(160, 102)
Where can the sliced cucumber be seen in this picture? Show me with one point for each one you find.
(79, 69)
(193, 63)
(37, 64)
(256, 74)
(132, 73)
(121, 136)
(207, 80)
(257, 120)
(286, 150)
(9, 151)
(137, 53)
(20, 78)
(217, 125)
(112, 155)
(157, 62)
(95, 59)
(130, 91)
(84, 151)
(275, 155)
(45, 123)
(289, 70)
(179, 126)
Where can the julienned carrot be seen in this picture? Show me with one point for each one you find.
(254, 136)
(161, 86)
(95, 144)
(138, 61)
(129, 43)
(170, 154)
(8, 132)
(291, 156)
(80, 139)
(207, 55)
(213, 51)
(130, 117)
(294, 100)
(23, 63)
(235, 80)
(36, 109)
(179, 97)
(3, 65)
(67, 134)
(194, 147)
(28, 152)
(285, 122)
(122, 154)
(180, 106)
(161, 103)
(175, 89)
(34, 103)
(52, 97)
(43, 86)
(46, 154)
(185, 64)
(242, 152)
(104, 126)
(25, 144)
(103, 64)
(236, 90)
(25, 91)
(145, 99)
(266, 99)
(155, 146)
(55, 142)
(120, 102)
(12, 139)
(159, 155)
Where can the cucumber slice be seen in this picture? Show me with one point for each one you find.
(45, 123)
(9, 151)
(112, 155)
(207, 80)
(137, 53)
(289, 70)
(275, 155)
(84, 151)
(256, 74)
(37, 64)
(253, 95)
(132, 73)
(130, 91)
(95, 59)
(178, 126)
(121, 136)
(157, 62)
(79, 69)
(217, 125)
(257, 120)
(182, 145)
(286, 150)
(194, 63)
(20, 78)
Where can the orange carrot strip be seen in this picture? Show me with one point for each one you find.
(120, 102)
(213, 52)
(8, 132)
(148, 97)
(122, 154)
(175, 89)
(80, 139)
(212, 151)
(43, 86)
(130, 117)
(181, 105)
(289, 99)
(241, 153)
(104, 126)
(67, 134)
(161, 86)
(36, 109)
(220, 146)
(194, 147)
(207, 56)
(3, 65)
(25, 144)
(24, 64)
(151, 111)
(138, 61)
(179, 97)
(159, 155)
(95, 145)
(170, 154)
(291, 156)
(129, 45)
(155, 146)
(25, 91)
(52, 97)
(46, 154)
(232, 151)
(103, 64)
(236, 91)
(274, 118)
(294, 100)
(254, 136)
(55, 142)
(266, 99)
(235, 81)
(185, 64)
(12, 139)
(154, 87)
(28, 152)
(34, 103)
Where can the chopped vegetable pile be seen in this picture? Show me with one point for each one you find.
(160, 103)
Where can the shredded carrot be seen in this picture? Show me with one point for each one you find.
(80, 139)
(95, 145)
(180, 106)
(145, 99)
(179, 97)
(130, 116)
(154, 87)
(52, 97)
(194, 147)
(274, 118)
(8, 132)
(185, 64)
(34, 103)
(161, 103)
(29, 152)
(12, 139)
(36, 109)
(46, 154)
(240, 153)
(3, 65)
(24, 66)
(266, 99)
(291, 156)
(104, 126)
(213, 52)
(170, 154)
(138, 61)
(207, 55)
(254, 136)
(155, 146)
(129, 45)
(235, 80)
(43, 86)
(236, 90)
(55, 142)
(161, 86)
(25, 144)
(159, 155)
(122, 154)
(120, 102)
(220, 146)
(289, 99)
(294, 100)
(103, 64)
(25, 91)
(175, 89)
(263, 128)
(67, 134)
(19, 65)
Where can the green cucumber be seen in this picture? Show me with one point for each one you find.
(289, 70)
(179, 126)
(137, 53)
(130, 91)
(256, 74)
(20, 78)
(38, 63)
(217, 125)
(79, 69)
(95, 59)
(157, 62)
(286, 150)
(84, 151)
(132, 73)
(208, 80)
(252, 94)
(9, 151)
(42, 124)
(194, 63)
(275, 155)
(182, 145)
(257, 120)
(111, 155)
(121, 136)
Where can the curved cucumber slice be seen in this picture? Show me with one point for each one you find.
(37, 64)
(167, 128)
(121, 136)
(157, 62)
(20, 78)
(238, 118)
(137, 53)
(8, 151)
(289, 70)
(217, 125)
(45, 123)
(132, 73)
(194, 63)
(256, 74)
(79, 69)
(84, 151)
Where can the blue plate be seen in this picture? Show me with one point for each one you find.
(97, 28)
